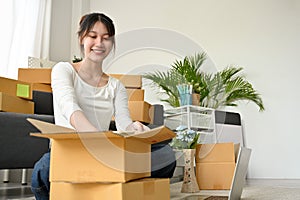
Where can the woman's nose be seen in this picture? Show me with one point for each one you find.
(99, 40)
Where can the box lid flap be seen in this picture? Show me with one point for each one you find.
(46, 127)
(53, 131)
(154, 135)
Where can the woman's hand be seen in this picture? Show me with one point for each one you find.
(137, 127)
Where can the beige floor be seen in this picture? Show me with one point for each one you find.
(254, 189)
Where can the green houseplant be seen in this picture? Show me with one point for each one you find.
(224, 88)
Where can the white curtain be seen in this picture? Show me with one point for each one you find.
(25, 32)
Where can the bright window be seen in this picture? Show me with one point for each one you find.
(24, 32)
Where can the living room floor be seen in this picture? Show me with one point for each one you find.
(254, 189)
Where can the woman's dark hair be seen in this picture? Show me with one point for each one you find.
(89, 20)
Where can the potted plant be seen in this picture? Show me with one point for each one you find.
(223, 88)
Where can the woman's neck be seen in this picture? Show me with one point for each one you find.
(91, 72)
(90, 68)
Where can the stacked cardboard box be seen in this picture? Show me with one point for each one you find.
(35, 75)
(139, 109)
(146, 189)
(9, 103)
(16, 95)
(21, 88)
(103, 165)
(215, 164)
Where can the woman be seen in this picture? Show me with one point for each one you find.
(86, 99)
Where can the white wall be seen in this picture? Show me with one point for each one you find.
(263, 36)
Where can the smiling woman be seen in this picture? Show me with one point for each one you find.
(29, 19)
(85, 98)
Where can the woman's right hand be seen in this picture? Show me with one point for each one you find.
(137, 127)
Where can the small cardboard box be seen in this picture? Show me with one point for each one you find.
(129, 81)
(99, 157)
(35, 75)
(21, 88)
(9, 103)
(215, 165)
(135, 94)
(217, 152)
(146, 189)
(215, 176)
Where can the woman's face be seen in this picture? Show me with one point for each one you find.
(97, 43)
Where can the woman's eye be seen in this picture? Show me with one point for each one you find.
(92, 36)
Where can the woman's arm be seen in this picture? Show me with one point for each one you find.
(122, 116)
(81, 123)
(65, 99)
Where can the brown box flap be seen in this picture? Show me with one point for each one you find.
(53, 131)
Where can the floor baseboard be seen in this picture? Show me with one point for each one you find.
(290, 183)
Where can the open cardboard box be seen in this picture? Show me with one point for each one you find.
(99, 156)
(215, 165)
(146, 189)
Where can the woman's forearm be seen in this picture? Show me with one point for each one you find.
(79, 121)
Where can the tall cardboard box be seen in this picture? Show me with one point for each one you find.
(143, 189)
(21, 88)
(9, 103)
(99, 157)
(129, 81)
(140, 111)
(135, 94)
(215, 165)
(35, 75)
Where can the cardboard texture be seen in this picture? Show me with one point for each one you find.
(135, 94)
(21, 88)
(140, 111)
(43, 75)
(99, 157)
(219, 152)
(35, 75)
(215, 164)
(214, 176)
(146, 189)
(129, 81)
(9, 103)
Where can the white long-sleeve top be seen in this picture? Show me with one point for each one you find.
(99, 104)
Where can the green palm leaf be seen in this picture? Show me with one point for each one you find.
(223, 88)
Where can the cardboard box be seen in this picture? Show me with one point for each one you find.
(140, 111)
(9, 103)
(129, 81)
(99, 157)
(135, 94)
(35, 75)
(43, 75)
(217, 152)
(21, 88)
(146, 189)
(215, 165)
(214, 176)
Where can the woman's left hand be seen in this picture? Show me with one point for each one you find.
(137, 127)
